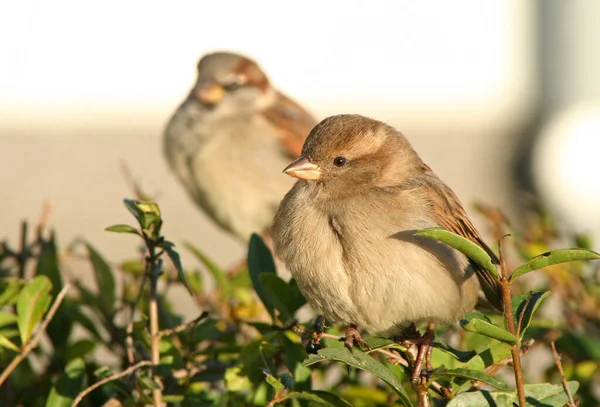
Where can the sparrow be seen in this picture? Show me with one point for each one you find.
(346, 233)
(228, 140)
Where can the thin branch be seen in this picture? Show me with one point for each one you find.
(510, 324)
(571, 402)
(153, 267)
(182, 327)
(41, 225)
(395, 356)
(116, 376)
(33, 341)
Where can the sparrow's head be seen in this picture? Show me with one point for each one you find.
(230, 83)
(347, 154)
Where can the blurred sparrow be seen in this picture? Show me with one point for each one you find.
(345, 232)
(229, 139)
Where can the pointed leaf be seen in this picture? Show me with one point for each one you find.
(105, 281)
(487, 357)
(524, 306)
(463, 245)
(6, 343)
(277, 386)
(472, 323)
(174, 256)
(147, 214)
(34, 299)
(9, 290)
(123, 229)
(554, 257)
(260, 260)
(361, 361)
(215, 271)
(544, 394)
(319, 397)
(469, 374)
(68, 386)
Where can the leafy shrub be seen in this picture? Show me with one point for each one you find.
(246, 347)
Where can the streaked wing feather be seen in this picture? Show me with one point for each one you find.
(444, 201)
(293, 120)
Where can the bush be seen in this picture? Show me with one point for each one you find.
(246, 347)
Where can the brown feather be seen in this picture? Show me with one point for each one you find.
(293, 122)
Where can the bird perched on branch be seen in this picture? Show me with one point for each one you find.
(346, 233)
(229, 139)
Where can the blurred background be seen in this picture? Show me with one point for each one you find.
(499, 97)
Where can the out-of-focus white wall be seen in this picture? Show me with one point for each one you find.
(85, 85)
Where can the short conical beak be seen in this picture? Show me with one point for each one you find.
(302, 168)
(208, 92)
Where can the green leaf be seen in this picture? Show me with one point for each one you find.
(34, 299)
(470, 375)
(9, 290)
(285, 297)
(68, 386)
(235, 379)
(526, 304)
(322, 398)
(6, 343)
(147, 214)
(460, 355)
(215, 271)
(361, 361)
(123, 229)
(487, 357)
(463, 245)
(105, 280)
(544, 394)
(474, 322)
(277, 386)
(7, 318)
(260, 260)
(554, 257)
(174, 256)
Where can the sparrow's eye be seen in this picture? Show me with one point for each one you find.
(340, 161)
(229, 87)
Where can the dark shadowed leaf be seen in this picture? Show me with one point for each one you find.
(260, 260)
(105, 281)
(473, 323)
(465, 246)
(524, 306)
(536, 395)
(174, 256)
(468, 374)
(361, 361)
(48, 265)
(34, 299)
(554, 257)
(284, 297)
(68, 386)
(321, 398)
(123, 229)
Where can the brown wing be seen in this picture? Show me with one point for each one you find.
(444, 201)
(295, 123)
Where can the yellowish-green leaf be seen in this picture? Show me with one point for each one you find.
(473, 323)
(554, 257)
(34, 299)
(463, 245)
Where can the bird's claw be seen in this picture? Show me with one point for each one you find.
(351, 337)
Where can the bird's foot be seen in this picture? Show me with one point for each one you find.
(353, 336)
